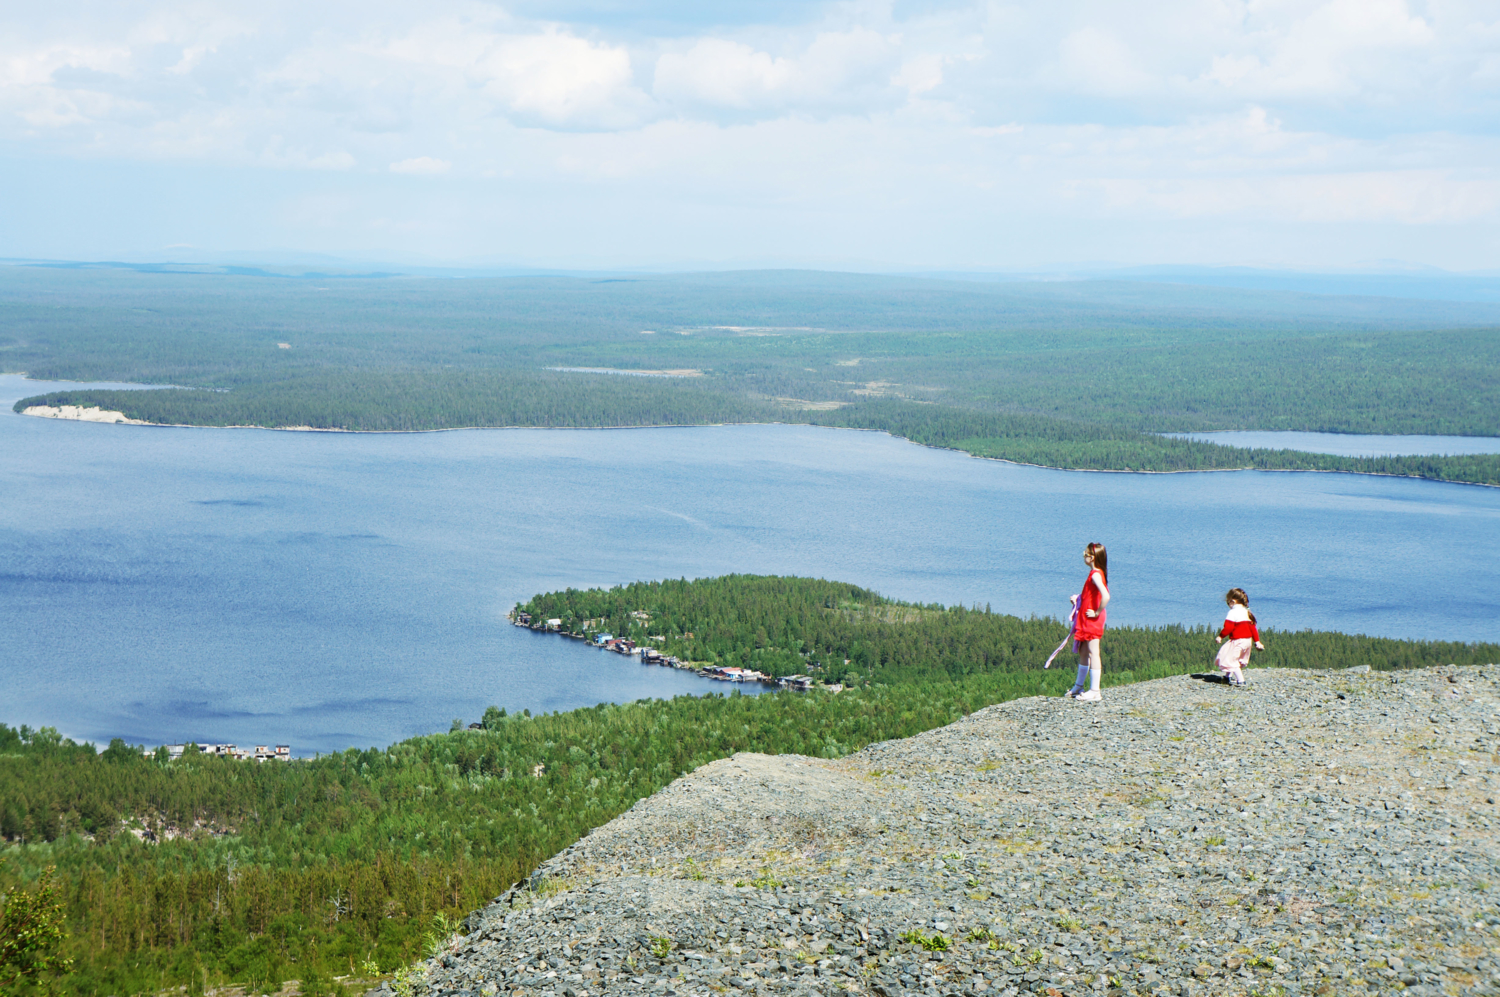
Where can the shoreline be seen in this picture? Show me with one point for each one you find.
(639, 654)
(122, 420)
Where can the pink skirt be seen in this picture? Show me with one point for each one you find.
(1234, 655)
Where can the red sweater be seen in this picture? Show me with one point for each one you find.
(1239, 625)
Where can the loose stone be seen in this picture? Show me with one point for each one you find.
(1315, 833)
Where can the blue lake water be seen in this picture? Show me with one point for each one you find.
(1351, 445)
(336, 589)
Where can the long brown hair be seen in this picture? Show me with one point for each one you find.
(1101, 560)
(1237, 595)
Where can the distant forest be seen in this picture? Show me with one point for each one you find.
(207, 871)
(1074, 375)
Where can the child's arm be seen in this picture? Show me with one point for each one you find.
(1255, 627)
(1097, 581)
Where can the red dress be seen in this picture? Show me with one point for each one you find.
(1085, 628)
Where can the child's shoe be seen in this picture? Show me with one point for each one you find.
(1089, 696)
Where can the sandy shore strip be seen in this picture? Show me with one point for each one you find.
(80, 414)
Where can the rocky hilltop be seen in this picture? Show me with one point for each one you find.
(1315, 833)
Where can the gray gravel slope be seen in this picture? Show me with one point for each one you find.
(1315, 833)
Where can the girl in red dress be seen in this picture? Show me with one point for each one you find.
(1237, 635)
(1088, 625)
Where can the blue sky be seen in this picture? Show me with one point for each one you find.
(886, 135)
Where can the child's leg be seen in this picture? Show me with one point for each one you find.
(1082, 681)
(1230, 660)
(1096, 672)
(1242, 660)
(1226, 658)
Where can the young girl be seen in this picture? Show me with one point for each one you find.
(1088, 624)
(1240, 630)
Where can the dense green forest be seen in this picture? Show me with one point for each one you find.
(1072, 374)
(205, 870)
(405, 401)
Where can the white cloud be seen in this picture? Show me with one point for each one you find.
(1199, 111)
(717, 72)
(840, 71)
(1098, 62)
(422, 166)
(556, 79)
(1335, 49)
(548, 77)
(339, 160)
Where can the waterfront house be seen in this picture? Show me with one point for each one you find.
(281, 753)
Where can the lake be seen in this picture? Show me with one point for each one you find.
(337, 589)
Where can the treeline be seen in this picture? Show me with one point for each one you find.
(1033, 439)
(421, 400)
(843, 633)
(412, 400)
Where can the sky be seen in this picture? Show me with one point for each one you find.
(903, 134)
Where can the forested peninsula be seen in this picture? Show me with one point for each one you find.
(206, 871)
(1080, 375)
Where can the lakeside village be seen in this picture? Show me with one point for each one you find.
(262, 752)
(651, 656)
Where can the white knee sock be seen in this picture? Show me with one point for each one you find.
(1095, 673)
